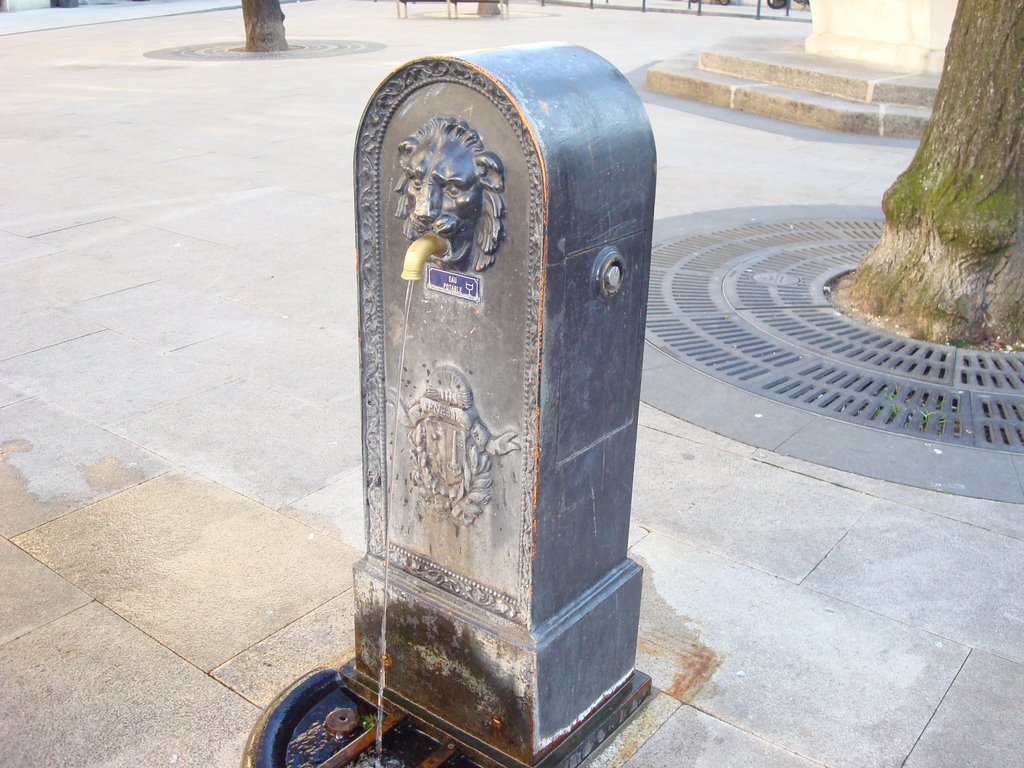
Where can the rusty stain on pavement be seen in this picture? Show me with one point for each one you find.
(681, 664)
(694, 665)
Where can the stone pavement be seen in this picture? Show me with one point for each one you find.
(797, 12)
(179, 451)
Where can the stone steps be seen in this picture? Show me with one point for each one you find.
(782, 82)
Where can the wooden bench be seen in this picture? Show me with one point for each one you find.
(401, 5)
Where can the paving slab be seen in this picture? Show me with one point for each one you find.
(10, 395)
(166, 316)
(14, 302)
(90, 689)
(127, 160)
(322, 638)
(980, 722)
(101, 13)
(328, 176)
(321, 296)
(251, 218)
(336, 509)
(25, 332)
(693, 739)
(50, 202)
(637, 730)
(305, 361)
(941, 467)
(659, 420)
(953, 579)
(18, 248)
(172, 257)
(688, 394)
(835, 683)
(997, 516)
(142, 169)
(636, 533)
(204, 570)
(62, 278)
(52, 463)
(293, 448)
(676, 657)
(33, 594)
(777, 521)
(105, 377)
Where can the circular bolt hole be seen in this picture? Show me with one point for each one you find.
(341, 722)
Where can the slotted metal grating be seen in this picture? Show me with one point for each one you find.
(748, 306)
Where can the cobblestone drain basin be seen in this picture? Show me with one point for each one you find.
(749, 306)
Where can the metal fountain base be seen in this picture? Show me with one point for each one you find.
(310, 725)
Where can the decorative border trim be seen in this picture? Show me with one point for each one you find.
(451, 582)
(368, 165)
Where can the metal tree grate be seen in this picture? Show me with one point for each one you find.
(749, 306)
(235, 51)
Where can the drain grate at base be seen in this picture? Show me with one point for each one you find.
(748, 306)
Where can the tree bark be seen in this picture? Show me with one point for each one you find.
(950, 262)
(264, 26)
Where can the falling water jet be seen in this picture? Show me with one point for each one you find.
(416, 256)
(382, 674)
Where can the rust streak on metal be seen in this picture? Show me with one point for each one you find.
(439, 756)
(352, 750)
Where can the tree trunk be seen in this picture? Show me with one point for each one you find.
(950, 263)
(264, 26)
(488, 9)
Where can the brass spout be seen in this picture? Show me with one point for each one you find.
(419, 251)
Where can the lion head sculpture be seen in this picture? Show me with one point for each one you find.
(451, 187)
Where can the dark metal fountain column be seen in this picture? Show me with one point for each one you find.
(499, 419)
(512, 609)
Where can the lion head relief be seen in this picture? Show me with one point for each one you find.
(451, 187)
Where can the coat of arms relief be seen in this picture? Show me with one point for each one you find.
(452, 449)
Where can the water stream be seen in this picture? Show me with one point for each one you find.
(389, 496)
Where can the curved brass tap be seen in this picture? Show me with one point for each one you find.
(419, 251)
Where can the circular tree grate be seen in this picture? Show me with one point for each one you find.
(234, 51)
(749, 306)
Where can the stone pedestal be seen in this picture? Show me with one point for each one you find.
(507, 426)
(910, 34)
